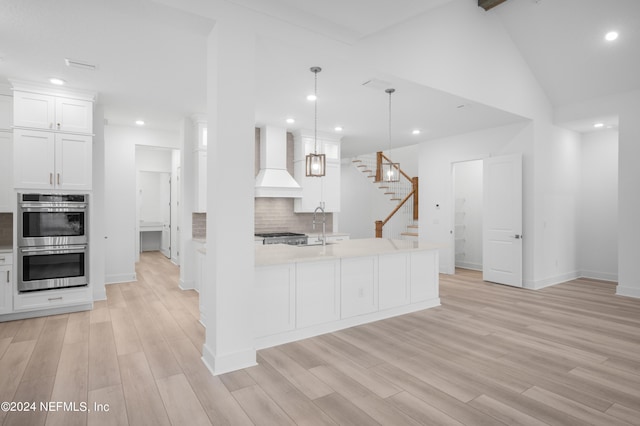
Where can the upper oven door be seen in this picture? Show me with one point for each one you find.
(51, 224)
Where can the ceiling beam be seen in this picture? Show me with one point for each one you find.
(489, 4)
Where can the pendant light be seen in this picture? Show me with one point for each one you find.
(316, 163)
(390, 171)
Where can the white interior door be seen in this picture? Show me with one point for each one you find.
(165, 205)
(502, 220)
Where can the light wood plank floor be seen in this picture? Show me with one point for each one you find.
(490, 355)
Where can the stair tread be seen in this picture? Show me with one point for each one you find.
(410, 234)
(412, 226)
(361, 165)
(356, 161)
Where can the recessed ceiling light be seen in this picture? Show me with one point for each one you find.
(415, 132)
(338, 128)
(611, 35)
(312, 98)
(598, 125)
(56, 81)
(140, 122)
(290, 120)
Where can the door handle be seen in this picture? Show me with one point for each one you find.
(518, 236)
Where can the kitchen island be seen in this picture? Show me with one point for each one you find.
(303, 291)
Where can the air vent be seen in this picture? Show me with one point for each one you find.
(74, 63)
(376, 84)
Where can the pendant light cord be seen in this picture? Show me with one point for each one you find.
(390, 91)
(315, 113)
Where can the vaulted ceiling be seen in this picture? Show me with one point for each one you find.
(151, 61)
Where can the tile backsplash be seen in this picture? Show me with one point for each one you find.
(199, 225)
(276, 214)
(6, 229)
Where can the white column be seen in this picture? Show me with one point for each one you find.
(629, 201)
(230, 192)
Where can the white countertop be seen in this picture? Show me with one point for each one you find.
(275, 254)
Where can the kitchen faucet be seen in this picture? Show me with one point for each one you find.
(324, 222)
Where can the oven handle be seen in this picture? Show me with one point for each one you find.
(55, 250)
(52, 207)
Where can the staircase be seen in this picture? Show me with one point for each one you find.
(402, 222)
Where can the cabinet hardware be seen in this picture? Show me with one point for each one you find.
(58, 178)
(54, 298)
(58, 126)
(50, 178)
(7, 277)
(2, 259)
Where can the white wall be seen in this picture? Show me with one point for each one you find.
(468, 214)
(436, 181)
(598, 206)
(120, 194)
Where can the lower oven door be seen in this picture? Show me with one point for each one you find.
(43, 268)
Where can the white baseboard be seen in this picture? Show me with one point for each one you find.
(596, 275)
(187, 285)
(316, 330)
(120, 278)
(548, 282)
(469, 265)
(628, 291)
(100, 295)
(230, 362)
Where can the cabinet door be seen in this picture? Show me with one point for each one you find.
(201, 201)
(393, 281)
(33, 110)
(317, 292)
(331, 188)
(33, 159)
(6, 112)
(73, 161)
(6, 172)
(6, 289)
(359, 286)
(424, 275)
(73, 115)
(311, 195)
(275, 299)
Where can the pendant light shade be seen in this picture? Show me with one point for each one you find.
(390, 171)
(315, 163)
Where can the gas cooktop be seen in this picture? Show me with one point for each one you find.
(278, 234)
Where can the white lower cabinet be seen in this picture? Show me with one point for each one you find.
(359, 286)
(52, 298)
(317, 292)
(275, 293)
(424, 275)
(6, 287)
(393, 280)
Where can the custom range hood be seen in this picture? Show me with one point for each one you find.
(274, 180)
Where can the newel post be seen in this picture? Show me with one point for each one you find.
(414, 184)
(379, 171)
(379, 225)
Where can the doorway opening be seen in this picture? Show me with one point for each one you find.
(157, 200)
(467, 231)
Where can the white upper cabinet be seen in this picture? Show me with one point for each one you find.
(6, 172)
(6, 112)
(52, 160)
(40, 111)
(317, 191)
(53, 137)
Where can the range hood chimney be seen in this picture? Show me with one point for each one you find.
(274, 180)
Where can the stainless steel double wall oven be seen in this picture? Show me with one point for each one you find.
(52, 241)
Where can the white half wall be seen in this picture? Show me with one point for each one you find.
(598, 206)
